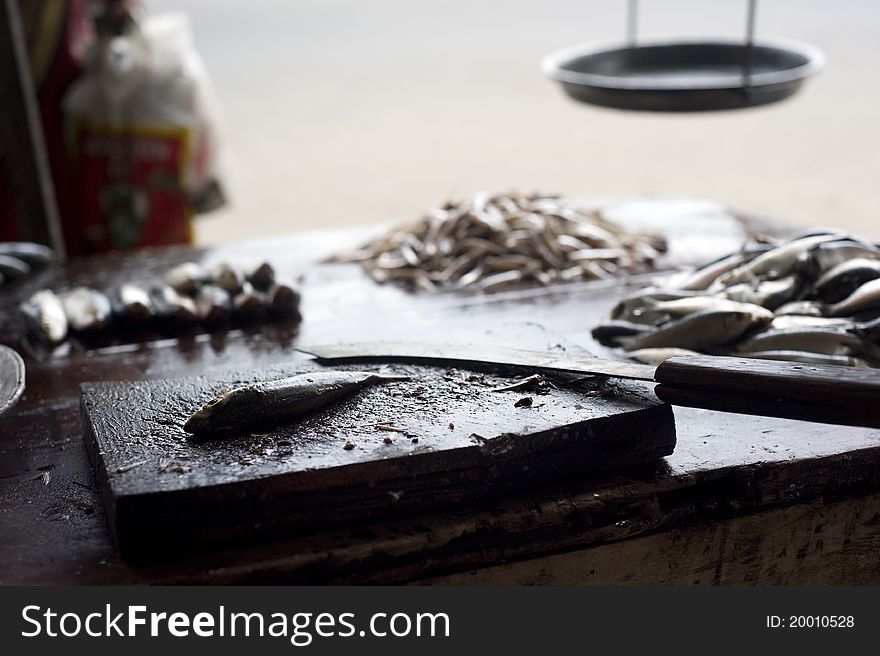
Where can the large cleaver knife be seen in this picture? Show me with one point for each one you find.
(823, 393)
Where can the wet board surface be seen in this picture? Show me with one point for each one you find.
(725, 467)
(453, 438)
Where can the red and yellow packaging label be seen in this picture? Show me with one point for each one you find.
(129, 186)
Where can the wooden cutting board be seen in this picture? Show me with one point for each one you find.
(443, 438)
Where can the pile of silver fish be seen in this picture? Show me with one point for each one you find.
(188, 293)
(813, 299)
(19, 259)
(494, 242)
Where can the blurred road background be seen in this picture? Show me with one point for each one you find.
(349, 112)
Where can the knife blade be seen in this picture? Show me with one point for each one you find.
(466, 354)
(821, 393)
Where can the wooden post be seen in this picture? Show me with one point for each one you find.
(22, 138)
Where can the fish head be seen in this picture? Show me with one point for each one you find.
(621, 310)
(760, 316)
(869, 330)
(740, 275)
(223, 412)
(738, 322)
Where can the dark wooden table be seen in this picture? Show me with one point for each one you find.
(742, 500)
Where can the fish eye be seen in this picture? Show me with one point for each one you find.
(218, 402)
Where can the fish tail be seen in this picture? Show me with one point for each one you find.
(627, 343)
(386, 378)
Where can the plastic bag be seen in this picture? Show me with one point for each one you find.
(143, 138)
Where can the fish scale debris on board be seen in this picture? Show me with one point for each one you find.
(814, 298)
(496, 242)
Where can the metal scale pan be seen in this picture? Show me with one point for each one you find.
(12, 375)
(684, 76)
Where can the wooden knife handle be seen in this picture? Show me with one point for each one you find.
(824, 393)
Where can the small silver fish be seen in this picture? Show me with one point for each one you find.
(171, 305)
(776, 263)
(654, 356)
(283, 300)
(866, 297)
(770, 294)
(511, 263)
(213, 304)
(662, 311)
(248, 302)
(86, 309)
(186, 278)
(471, 277)
(802, 308)
(629, 308)
(808, 358)
(827, 255)
(499, 281)
(227, 277)
(829, 341)
(262, 405)
(820, 232)
(611, 254)
(702, 278)
(260, 275)
(44, 315)
(132, 303)
(835, 285)
(702, 331)
(869, 330)
(609, 332)
(785, 321)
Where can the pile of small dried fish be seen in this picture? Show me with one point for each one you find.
(494, 242)
(814, 299)
(188, 293)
